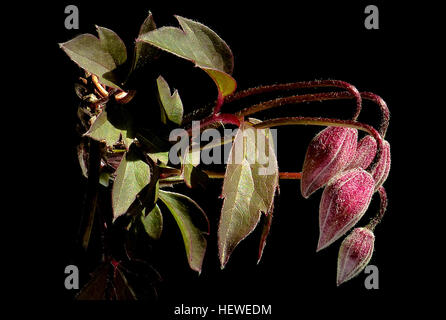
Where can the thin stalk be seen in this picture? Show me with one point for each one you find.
(223, 118)
(385, 114)
(296, 99)
(325, 96)
(299, 85)
(102, 91)
(382, 209)
(290, 175)
(221, 175)
(282, 175)
(219, 103)
(171, 181)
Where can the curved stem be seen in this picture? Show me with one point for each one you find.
(102, 91)
(220, 101)
(235, 119)
(223, 118)
(299, 85)
(293, 100)
(125, 97)
(382, 209)
(384, 110)
(104, 100)
(328, 122)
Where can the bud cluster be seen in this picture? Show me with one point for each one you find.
(345, 168)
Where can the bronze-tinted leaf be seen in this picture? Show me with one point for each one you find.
(248, 188)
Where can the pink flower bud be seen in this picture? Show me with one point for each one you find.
(354, 254)
(328, 154)
(365, 153)
(381, 172)
(343, 203)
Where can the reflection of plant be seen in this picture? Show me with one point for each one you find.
(123, 155)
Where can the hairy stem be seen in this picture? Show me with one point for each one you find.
(221, 175)
(299, 85)
(221, 118)
(219, 103)
(234, 119)
(385, 114)
(282, 175)
(293, 100)
(382, 209)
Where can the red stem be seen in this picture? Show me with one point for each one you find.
(224, 118)
(299, 85)
(293, 100)
(290, 175)
(384, 110)
(220, 101)
(321, 97)
(382, 209)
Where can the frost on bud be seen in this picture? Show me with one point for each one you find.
(381, 171)
(365, 153)
(343, 203)
(327, 155)
(354, 254)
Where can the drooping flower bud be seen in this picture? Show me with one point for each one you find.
(344, 201)
(381, 171)
(354, 254)
(365, 153)
(328, 154)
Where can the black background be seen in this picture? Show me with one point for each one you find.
(272, 42)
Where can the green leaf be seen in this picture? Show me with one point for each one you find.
(160, 157)
(104, 179)
(144, 51)
(112, 44)
(110, 126)
(149, 195)
(153, 223)
(193, 225)
(199, 44)
(100, 56)
(248, 188)
(132, 175)
(171, 105)
(193, 176)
